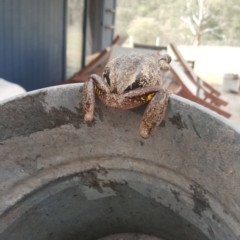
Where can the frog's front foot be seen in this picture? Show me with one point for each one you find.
(154, 113)
(95, 84)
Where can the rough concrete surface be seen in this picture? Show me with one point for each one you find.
(130, 236)
(63, 179)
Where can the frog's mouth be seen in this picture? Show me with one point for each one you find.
(141, 99)
(145, 98)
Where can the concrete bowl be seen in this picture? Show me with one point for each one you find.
(62, 179)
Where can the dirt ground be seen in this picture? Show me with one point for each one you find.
(233, 106)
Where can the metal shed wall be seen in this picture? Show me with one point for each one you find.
(32, 42)
(101, 20)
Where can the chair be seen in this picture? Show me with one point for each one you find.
(188, 89)
(158, 48)
(208, 91)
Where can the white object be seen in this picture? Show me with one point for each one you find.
(9, 89)
(157, 41)
(231, 83)
(131, 41)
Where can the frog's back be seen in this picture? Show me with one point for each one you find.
(131, 71)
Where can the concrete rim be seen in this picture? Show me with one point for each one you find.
(22, 187)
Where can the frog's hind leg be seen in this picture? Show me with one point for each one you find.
(88, 100)
(154, 113)
(101, 87)
(95, 84)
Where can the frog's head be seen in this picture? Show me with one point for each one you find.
(164, 61)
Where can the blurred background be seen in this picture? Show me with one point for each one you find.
(50, 42)
(205, 29)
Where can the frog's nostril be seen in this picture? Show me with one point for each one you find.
(166, 58)
(169, 59)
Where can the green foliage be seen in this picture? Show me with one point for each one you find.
(141, 28)
(172, 20)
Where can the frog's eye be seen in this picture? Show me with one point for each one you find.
(106, 78)
(139, 82)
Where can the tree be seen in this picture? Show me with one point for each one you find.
(200, 20)
(157, 23)
(229, 17)
(182, 21)
(149, 26)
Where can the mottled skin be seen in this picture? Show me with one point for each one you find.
(128, 82)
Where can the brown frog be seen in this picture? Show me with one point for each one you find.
(129, 81)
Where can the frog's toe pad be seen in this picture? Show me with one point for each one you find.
(144, 132)
(88, 117)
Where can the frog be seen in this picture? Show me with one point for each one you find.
(129, 81)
